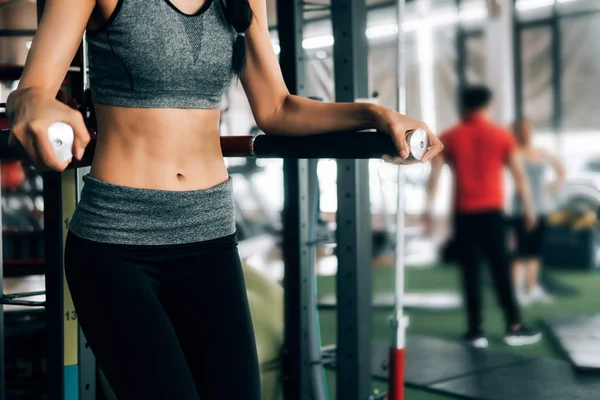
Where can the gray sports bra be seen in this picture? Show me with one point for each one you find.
(149, 54)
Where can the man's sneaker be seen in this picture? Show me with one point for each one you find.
(476, 339)
(522, 336)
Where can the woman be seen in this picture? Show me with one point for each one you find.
(529, 242)
(151, 257)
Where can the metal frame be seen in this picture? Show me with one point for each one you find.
(557, 92)
(2, 330)
(354, 288)
(553, 23)
(297, 382)
(66, 346)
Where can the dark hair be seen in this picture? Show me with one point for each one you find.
(475, 98)
(238, 15)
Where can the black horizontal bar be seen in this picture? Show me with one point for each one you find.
(338, 145)
(17, 32)
(25, 294)
(24, 303)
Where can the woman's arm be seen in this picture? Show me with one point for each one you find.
(33, 107)
(559, 169)
(277, 111)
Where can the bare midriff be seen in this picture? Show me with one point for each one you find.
(158, 148)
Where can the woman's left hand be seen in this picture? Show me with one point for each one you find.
(397, 125)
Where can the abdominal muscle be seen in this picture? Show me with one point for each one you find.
(160, 149)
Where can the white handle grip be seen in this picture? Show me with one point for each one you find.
(61, 137)
(418, 141)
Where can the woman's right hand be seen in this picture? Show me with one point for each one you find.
(31, 111)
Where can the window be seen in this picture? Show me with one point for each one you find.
(536, 69)
(580, 70)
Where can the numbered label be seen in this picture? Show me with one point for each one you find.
(71, 315)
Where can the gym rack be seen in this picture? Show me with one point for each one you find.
(77, 378)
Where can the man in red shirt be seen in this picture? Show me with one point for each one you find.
(477, 152)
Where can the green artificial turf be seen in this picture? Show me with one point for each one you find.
(451, 325)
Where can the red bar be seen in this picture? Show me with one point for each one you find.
(396, 383)
(236, 146)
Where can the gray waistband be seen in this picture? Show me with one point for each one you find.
(118, 214)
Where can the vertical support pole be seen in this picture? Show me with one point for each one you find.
(87, 361)
(499, 63)
(556, 54)
(517, 61)
(461, 54)
(354, 291)
(2, 330)
(297, 365)
(62, 326)
(54, 286)
(397, 351)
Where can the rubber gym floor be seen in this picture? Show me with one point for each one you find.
(451, 325)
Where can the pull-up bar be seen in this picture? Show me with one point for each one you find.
(339, 145)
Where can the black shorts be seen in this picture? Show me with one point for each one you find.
(529, 243)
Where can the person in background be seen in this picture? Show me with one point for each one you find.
(536, 163)
(477, 152)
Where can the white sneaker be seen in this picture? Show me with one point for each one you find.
(522, 337)
(539, 295)
(523, 298)
(476, 339)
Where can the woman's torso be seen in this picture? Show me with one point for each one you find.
(535, 166)
(167, 146)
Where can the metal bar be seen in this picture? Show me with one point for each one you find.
(26, 303)
(532, 24)
(354, 292)
(517, 61)
(297, 378)
(549, 20)
(16, 32)
(339, 145)
(21, 295)
(557, 92)
(2, 330)
(372, 7)
(54, 279)
(397, 353)
(86, 359)
(461, 55)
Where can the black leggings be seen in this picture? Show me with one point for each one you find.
(166, 322)
(484, 234)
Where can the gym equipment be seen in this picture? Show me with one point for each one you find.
(355, 145)
(346, 145)
(61, 137)
(576, 249)
(579, 338)
(418, 141)
(542, 378)
(397, 356)
(432, 360)
(459, 370)
(268, 220)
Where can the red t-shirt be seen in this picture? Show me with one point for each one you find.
(477, 152)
